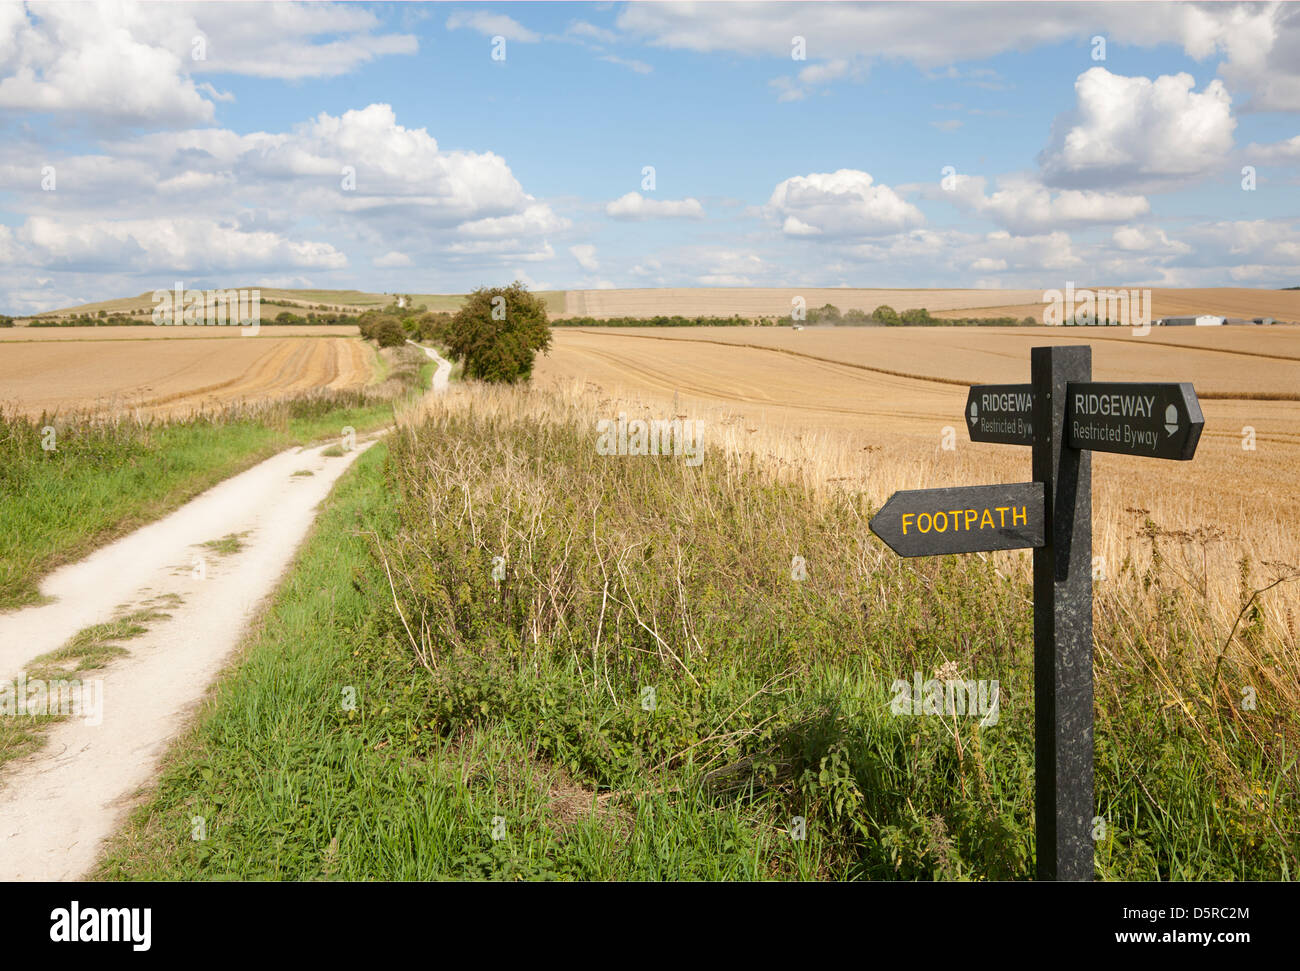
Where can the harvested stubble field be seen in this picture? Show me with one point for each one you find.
(173, 370)
(153, 332)
(1239, 302)
(776, 301)
(867, 408)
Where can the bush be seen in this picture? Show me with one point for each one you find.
(6, 321)
(498, 332)
(433, 327)
(887, 315)
(388, 332)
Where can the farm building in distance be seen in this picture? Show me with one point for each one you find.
(1201, 320)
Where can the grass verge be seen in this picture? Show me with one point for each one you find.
(502, 655)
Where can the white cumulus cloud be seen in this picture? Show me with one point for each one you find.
(636, 206)
(132, 64)
(585, 254)
(492, 25)
(1024, 206)
(1136, 130)
(847, 202)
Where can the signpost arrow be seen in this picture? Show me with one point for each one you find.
(967, 519)
(1162, 421)
(1001, 413)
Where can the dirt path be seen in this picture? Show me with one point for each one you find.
(443, 375)
(58, 804)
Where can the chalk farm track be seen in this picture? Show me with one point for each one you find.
(60, 802)
(168, 373)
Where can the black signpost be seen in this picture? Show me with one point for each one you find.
(1160, 421)
(1065, 417)
(1000, 413)
(968, 519)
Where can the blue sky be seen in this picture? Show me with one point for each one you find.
(913, 145)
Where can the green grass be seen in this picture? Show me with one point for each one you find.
(89, 650)
(229, 544)
(517, 704)
(292, 784)
(106, 478)
(103, 482)
(94, 646)
(380, 365)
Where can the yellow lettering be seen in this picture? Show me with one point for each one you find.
(1020, 517)
(986, 520)
(1002, 514)
(971, 516)
(906, 517)
(927, 519)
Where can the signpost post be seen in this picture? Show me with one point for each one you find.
(1064, 416)
(1063, 806)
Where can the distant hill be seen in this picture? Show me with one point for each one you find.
(274, 300)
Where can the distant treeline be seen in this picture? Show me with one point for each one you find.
(86, 320)
(887, 316)
(6, 321)
(105, 319)
(826, 316)
(662, 321)
(419, 320)
(288, 318)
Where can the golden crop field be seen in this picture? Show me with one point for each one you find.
(873, 408)
(152, 332)
(172, 369)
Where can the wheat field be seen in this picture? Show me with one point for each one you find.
(752, 302)
(174, 371)
(873, 408)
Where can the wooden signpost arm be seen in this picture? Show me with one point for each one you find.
(1063, 733)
